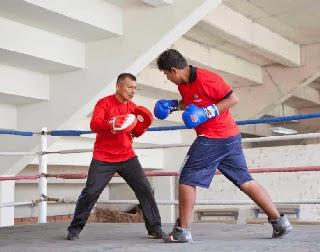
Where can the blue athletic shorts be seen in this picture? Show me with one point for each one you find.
(208, 154)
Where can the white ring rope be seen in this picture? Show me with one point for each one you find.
(160, 202)
(281, 138)
(20, 153)
(245, 140)
(23, 203)
(202, 202)
(214, 202)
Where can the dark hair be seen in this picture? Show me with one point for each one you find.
(122, 76)
(171, 58)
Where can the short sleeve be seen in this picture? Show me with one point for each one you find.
(214, 86)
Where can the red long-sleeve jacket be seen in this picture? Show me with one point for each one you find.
(110, 147)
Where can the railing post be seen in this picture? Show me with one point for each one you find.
(43, 169)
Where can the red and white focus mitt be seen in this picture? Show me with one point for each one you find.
(144, 120)
(122, 123)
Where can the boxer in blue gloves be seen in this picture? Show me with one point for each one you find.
(206, 99)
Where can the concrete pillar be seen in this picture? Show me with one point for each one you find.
(6, 196)
(165, 190)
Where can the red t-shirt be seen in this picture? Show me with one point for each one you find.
(206, 88)
(111, 147)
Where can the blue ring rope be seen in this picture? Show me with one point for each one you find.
(16, 133)
(69, 132)
(279, 119)
(179, 127)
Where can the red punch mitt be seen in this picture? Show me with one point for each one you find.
(122, 123)
(144, 120)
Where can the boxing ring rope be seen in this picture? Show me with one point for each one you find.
(157, 173)
(245, 140)
(202, 202)
(43, 175)
(164, 146)
(25, 203)
(279, 119)
(34, 203)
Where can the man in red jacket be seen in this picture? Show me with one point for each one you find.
(115, 120)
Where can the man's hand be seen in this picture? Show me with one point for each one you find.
(122, 123)
(144, 120)
(194, 115)
(163, 108)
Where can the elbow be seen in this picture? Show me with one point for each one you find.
(99, 127)
(234, 100)
(94, 127)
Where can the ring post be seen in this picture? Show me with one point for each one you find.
(43, 169)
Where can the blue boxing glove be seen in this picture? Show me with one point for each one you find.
(194, 115)
(163, 108)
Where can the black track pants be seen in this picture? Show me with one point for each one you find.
(99, 175)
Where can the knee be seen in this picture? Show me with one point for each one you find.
(248, 186)
(88, 195)
(144, 184)
(144, 188)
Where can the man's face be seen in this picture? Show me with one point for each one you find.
(173, 76)
(126, 89)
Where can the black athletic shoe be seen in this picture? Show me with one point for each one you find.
(157, 233)
(72, 236)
